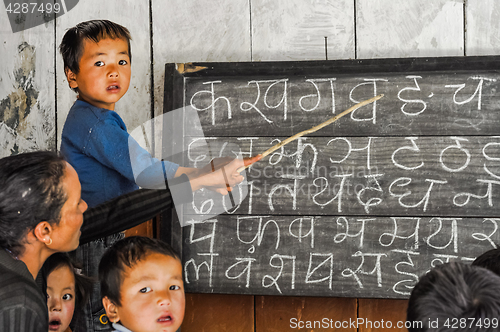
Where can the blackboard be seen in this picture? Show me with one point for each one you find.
(363, 207)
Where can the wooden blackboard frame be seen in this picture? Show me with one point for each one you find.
(176, 74)
(292, 68)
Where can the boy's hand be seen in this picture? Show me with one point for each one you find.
(215, 164)
(221, 174)
(229, 169)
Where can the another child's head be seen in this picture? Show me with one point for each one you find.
(141, 285)
(65, 288)
(489, 260)
(455, 292)
(97, 60)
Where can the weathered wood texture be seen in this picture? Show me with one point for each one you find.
(302, 30)
(216, 312)
(144, 229)
(482, 26)
(382, 315)
(27, 91)
(256, 31)
(186, 31)
(276, 314)
(135, 106)
(386, 28)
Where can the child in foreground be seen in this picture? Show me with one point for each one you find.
(455, 297)
(142, 286)
(66, 289)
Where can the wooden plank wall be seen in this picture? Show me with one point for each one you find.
(34, 97)
(27, 76)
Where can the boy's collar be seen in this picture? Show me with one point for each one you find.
(79, 101)
(119, 327)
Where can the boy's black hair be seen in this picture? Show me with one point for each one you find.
(83, 284)
(125, 254)
(489, 260)
(31, 191)
(451, 292)
(71, 47)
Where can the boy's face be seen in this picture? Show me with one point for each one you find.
(104, 75)
(152, 296)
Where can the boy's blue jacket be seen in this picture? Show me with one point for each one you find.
(96, 143)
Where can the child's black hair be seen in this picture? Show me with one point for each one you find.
(83, 284)
(71, 47)
(490, 260)
(454, 292)
(125, 254)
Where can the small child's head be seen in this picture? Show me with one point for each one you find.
(65, 289)
(455, 292)
(489, 260)
(141, 285)
(97, 58)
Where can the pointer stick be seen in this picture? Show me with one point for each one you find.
(313, 129)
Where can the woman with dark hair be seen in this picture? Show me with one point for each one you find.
(41, 213)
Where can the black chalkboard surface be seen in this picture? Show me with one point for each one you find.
(362, 207)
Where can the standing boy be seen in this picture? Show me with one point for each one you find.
(95, 140)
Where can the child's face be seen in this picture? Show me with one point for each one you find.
(152, 295)
(60, 298)
(104, 74)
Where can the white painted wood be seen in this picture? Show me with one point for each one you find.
(27, 105)
(219, 30)
(482, 36)
(188, 31)
(296, 29)
(409, 28)
(135, 105)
